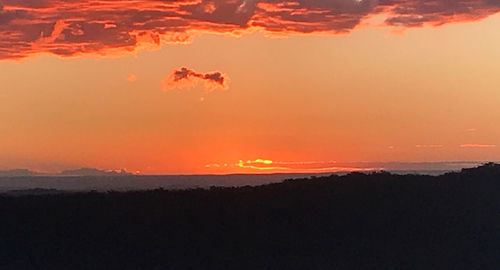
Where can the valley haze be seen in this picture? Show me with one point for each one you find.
(91, 179)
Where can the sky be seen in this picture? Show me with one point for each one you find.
(235, 86)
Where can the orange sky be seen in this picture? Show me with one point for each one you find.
(314, 91)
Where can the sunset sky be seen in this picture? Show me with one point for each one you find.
(235, 86)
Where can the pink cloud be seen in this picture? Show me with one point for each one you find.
(71, 28)
(187, 78)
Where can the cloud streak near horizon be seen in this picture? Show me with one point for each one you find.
(267, 165)
(78, 27)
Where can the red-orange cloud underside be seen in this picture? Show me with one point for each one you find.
(73, 27)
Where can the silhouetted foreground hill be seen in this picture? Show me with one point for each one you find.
(357, 221)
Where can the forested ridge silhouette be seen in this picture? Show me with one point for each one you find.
(355, 221)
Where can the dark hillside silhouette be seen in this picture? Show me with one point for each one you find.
(356, 221)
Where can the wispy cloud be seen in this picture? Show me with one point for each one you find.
(187, 78)
(431, 146)
(473, 145)
(69, 28)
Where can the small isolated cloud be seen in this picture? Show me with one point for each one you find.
(473, 145)
(188, 78)
(132, 78)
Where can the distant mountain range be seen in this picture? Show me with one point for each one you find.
(74, 172)
(17, 173)
(93, 172)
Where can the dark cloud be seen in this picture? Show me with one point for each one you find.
(437, 12)
(69, 28)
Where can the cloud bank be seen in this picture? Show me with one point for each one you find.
(187, 78)
(69, 28)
